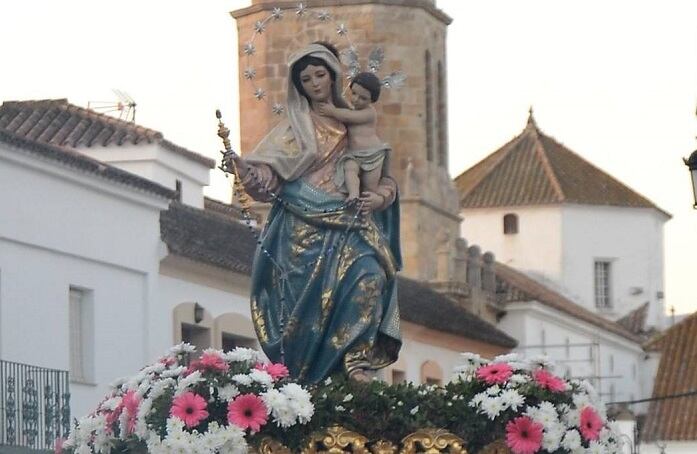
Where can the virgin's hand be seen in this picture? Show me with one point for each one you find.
(369, 202)
(229, 159)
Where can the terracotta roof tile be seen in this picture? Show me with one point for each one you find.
(635, 321)
(211, 238)
(207, 237)
(57, 122)
(675, 418)
(534, 169)
(229, 210)
(516, 286)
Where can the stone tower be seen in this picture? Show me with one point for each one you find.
(412, 119)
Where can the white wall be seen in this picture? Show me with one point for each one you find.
(71, 229)
(157, 164)
(631, 239)
(559, 244)
(527, 321)
(537, 246)
(181, 281)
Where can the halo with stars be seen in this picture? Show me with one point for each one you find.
(260, 26)
(348, 57)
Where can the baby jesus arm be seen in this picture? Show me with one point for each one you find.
(347, 116)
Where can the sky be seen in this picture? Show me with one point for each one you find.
(615, 81)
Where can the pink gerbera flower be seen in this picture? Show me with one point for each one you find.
(523, 435)
(208, 361)
(494, 374)
(276, 370)
(547, 380)
(190, 408)
(167, 361)
(131, 402)
(58, 446)
(247, 411)
(591, 424)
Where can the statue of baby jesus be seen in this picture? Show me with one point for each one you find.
(361, 167)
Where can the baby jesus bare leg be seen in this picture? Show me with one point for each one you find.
(351, 176)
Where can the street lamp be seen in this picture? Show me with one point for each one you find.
(691, 163)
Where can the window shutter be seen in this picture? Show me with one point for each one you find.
(76, 309)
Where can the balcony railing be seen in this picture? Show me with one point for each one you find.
(34, 405)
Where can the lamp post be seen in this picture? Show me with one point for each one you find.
(691, 163)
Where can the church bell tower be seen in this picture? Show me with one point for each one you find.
(412, 119)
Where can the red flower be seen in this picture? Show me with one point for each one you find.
(523, 435)
(190, 408)
(547, 380)
(276, 370)
(208, 361)
(247, 411)
(591, 424)
(58, 446)
(167, 361)
(494, 374)
(131, 402)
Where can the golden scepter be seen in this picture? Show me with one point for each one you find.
(224, 133)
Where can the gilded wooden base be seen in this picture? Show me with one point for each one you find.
(337, 440)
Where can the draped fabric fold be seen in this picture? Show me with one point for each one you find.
(324, 293)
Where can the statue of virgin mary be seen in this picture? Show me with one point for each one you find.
(324, 294)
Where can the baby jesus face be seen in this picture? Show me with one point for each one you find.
(360, 97)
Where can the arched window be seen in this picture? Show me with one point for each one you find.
(234, 330)
(442, 119)
(193, 324)
(429, 106)
(510, 224)
(431, 373)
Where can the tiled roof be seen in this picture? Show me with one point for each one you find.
(59, 123)
(516, 286)
(216, 240)
(635, 321)
(82, 163)
(208, 237)
(674, 418)
(421, 305)
(225, 209)
(535, 169)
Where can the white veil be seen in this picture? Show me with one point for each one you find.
(291, 146)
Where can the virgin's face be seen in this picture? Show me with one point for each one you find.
(317, 83)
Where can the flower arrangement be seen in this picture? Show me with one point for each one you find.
(212, 404)
(225, 402)
(537, 411)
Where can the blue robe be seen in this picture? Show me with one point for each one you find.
(324, 293)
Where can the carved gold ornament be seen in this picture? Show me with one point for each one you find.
(336, 440)
(432, 441)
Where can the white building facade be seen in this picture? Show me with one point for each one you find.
(541, 208)
(577, 251)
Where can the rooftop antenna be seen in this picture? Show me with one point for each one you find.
(125, 106)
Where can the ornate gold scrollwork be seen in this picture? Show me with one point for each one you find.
(497, 447)
(432, 441)
(270, 446)
(336, 440)
(383, 447)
